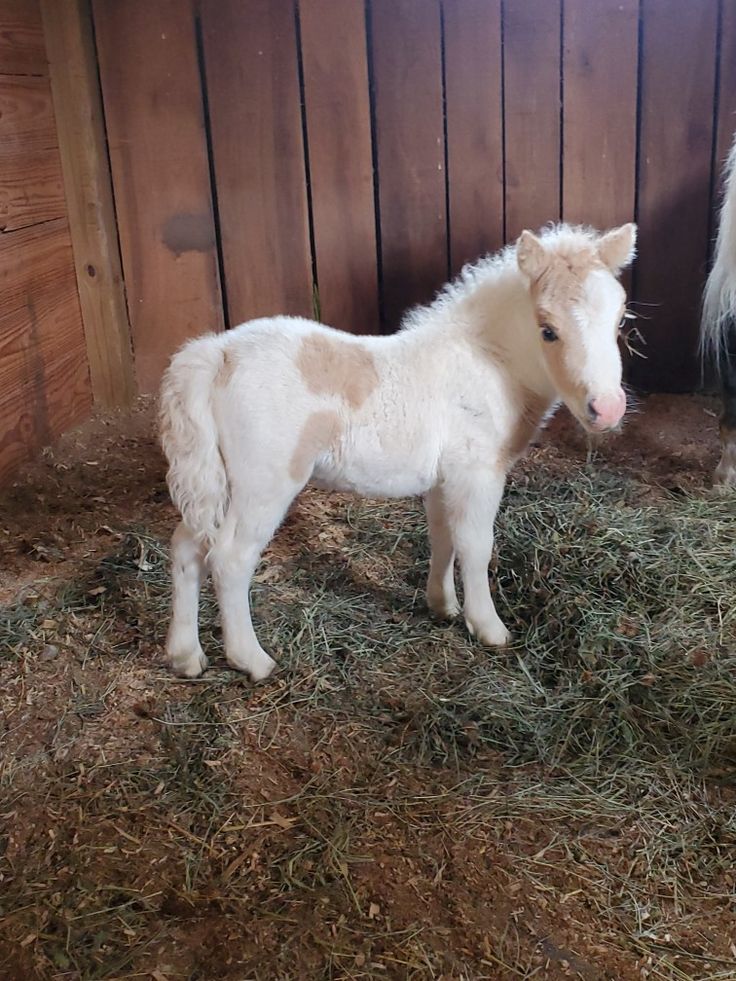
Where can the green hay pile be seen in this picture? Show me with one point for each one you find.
(613, 713)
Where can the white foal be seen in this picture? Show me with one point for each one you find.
(443, 408)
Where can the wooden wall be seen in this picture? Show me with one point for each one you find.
(44, 374)
(344, 157)
(332, 158)
(156, 136)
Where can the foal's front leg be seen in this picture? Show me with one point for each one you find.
(472, 502)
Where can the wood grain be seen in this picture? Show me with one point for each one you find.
(474, 128)
(678, 82)
(340, 162)
(600, 56)
(81, 132)
(22, 49)
(31, 186)
(158, 153)
(44, 379)
(31, 189)
(532, 113)
(27, 120)
(407, 78)
(251, 65)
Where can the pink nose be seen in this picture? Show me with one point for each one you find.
(606, 411)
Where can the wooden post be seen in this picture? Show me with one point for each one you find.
(81, 131)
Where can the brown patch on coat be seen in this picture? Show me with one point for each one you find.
(226, 370)
(533, 408)
(332, 367)
(318, 434)
(561, 282)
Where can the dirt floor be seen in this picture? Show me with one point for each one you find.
(332, 822)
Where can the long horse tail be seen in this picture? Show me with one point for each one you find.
(197, 478)
(719, 300)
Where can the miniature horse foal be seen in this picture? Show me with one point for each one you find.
(441, 409)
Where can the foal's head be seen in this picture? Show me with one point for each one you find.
(580, 307)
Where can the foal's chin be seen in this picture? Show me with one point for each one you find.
(593, 430)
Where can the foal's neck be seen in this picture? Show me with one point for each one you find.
(499, 319)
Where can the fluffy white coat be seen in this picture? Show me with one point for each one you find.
(440, 409)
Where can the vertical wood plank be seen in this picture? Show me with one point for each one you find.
(22, 50)
(678, 81)
(336, 94)
(532, 113)
(81, 133)
(407, 79)
(474, 128)
(158, 153)
(44, 377)
(251, 65)
(600, 64)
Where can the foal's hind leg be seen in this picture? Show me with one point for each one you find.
(726, 471)
(233, 560)
(183, 650)
(441, 595)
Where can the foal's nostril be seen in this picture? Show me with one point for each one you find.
(592, 411)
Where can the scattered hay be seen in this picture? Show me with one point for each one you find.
(397, 801)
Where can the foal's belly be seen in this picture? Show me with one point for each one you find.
(374, 471)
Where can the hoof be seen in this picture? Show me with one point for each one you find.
(443, 607)
(725, 475)
(187, 665)
(258, 667)
(492, 634)
(725, 481)
(263, 670)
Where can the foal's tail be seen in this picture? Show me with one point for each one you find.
(719, 301)
(196, 477)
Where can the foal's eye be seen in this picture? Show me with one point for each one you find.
(549, 333)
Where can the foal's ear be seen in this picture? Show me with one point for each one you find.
(618, 247)
(531, 255)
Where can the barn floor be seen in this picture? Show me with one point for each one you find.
(396, 801)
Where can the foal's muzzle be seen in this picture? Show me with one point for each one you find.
(606, 411)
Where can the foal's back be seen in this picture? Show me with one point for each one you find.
(307, 402)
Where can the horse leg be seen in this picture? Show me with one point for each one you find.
(726, 471)
(183, 650)
(472, 502)
(441, 596)
(233, 560)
